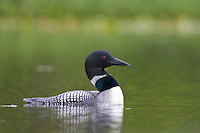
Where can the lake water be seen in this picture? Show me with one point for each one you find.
(161, 88)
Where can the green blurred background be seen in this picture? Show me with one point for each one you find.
(44, 43)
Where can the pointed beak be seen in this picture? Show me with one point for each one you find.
(119, 62)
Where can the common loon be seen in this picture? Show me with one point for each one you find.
(109, 92)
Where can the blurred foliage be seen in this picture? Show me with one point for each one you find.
(111, 8)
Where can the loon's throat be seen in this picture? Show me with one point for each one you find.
(104, 82)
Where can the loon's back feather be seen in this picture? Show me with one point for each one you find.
(70, 97)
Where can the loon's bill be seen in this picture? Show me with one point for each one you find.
(109, 91)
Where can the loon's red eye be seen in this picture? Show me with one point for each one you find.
(104, 57)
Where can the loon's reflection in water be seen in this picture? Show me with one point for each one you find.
(80, 119)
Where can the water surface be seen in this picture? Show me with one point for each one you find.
(161, 88)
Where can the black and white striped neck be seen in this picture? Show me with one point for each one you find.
(95, 64)
(104, 82)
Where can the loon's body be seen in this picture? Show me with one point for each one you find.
(109, 92)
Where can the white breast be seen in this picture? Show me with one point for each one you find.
(113, 96)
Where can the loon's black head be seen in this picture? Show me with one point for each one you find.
(98, 60)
